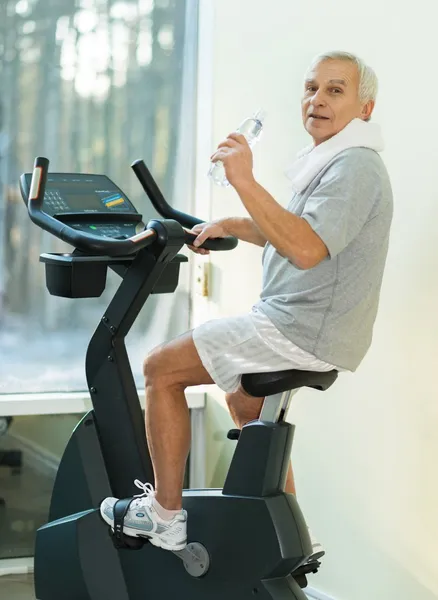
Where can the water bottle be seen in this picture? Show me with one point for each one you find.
(251, 128)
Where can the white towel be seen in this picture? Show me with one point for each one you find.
(313, 159)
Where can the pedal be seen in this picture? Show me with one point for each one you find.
(302, 581)
(126, 542)
(120, 540)
(300, 574)
(233, 434)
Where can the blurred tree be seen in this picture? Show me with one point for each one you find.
(130, 109)
(92, 85)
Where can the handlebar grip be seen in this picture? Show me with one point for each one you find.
(217, 244)
(38, 183)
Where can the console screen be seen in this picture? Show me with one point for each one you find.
(79, 193)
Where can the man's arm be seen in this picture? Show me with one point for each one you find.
(244, 229)
(290, 235)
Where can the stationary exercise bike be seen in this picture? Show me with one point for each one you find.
(247, 539)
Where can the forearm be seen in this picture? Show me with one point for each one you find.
(244, 229)
(290, 235)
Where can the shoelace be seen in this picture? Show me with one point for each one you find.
(148, 493)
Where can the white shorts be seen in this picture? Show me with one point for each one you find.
(249, 343)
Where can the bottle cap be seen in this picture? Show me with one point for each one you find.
(260, 115)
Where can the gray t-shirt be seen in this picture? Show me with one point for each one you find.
(330, 310)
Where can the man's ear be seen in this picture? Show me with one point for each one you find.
(367, 110)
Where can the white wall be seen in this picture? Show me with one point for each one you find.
(366, 451)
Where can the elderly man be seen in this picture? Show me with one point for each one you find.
(323, 262)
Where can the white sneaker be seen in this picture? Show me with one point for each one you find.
(142, 520)
(317, 549)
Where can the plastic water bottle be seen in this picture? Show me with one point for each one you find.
(251, 128)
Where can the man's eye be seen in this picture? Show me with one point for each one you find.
(311, 88)
(337, 90)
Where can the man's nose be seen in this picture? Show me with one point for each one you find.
(318, 98)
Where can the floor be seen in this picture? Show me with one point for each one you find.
(26, 494)
(17, 587)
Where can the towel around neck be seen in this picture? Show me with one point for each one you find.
(312, 159)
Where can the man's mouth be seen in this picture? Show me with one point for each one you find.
(314, 116)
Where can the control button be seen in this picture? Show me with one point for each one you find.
(92, 227)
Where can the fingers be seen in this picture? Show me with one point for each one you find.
(199, 250)
(202, 232)
(219, 155)
(238, 137)
(228, 143)
(232, 141)
(204, 235)
(205, 231)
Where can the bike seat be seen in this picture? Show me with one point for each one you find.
(267, 384)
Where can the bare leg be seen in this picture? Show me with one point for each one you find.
(168, 370)
(289, 488)
(245, 408)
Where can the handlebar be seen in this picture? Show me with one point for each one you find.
(99, 245)
(165, 210)
(78, 239)
(216, 244)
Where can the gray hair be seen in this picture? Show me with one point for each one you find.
(368, 83)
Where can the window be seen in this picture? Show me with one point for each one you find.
(92, 85)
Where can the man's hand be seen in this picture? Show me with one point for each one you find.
(236, 156)
(215, 229)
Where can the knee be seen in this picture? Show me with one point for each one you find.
(158, 371)
(153, 366)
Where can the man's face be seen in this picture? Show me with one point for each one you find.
(331, 99)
